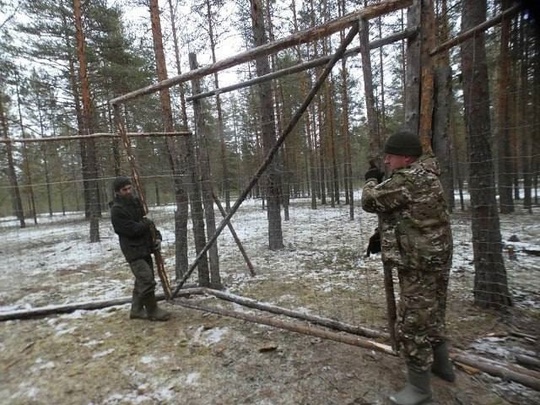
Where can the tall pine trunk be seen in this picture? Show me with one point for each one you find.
(11, 172)
(266, 104)
(90, 168)
(181, 195)
(490, 282)
(502, 122)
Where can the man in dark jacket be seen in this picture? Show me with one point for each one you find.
(137, 242)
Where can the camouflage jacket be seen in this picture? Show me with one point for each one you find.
(413, 216)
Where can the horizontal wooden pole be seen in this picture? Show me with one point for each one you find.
(298, 327)
(326, 322)
(302, 66)
(88, 306)
(508, 13)
(301, 37)
(94, 136)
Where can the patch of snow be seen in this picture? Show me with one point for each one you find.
(62, 329)
(41, 364)
(102, 354)
(147, 359)
(192, 378)
(214, 335)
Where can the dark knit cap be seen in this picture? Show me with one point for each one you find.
(403, 143)
(120, 182)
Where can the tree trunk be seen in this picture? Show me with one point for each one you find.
(444, 101)
(88, 127)
(273, 181)
(525, 114)
(412, 72)
(177, 162)
(345, 131)
(490, 283)
(202, 133)
(502, 122)
(226, 183)
(11, 172)
(442, 143)
(26, 164)
(182, 203)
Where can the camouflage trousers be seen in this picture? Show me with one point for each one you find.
(143, 270)
(421, 314)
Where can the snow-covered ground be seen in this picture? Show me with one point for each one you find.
(53, 263)
(58, 247)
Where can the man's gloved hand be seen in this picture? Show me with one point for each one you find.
(374, 173)
(374, 245)
(148, 222)
(157, 245)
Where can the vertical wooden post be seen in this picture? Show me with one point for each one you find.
(373, 127)
(375, 154)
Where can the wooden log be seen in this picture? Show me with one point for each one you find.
(527, 361)
(504, 371)
(235, 236)
(326, 322)
(95, 135)
(303, 328)
(86, 306)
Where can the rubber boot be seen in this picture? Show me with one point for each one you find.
(416, 392)
(154, 312)
(137, 308)
(442, 366)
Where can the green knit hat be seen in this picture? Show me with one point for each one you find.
(120, 182)
(403, 143)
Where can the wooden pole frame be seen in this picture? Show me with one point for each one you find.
(508, 13)
(302, 66)
(292, 124)
(96, 135)
(301, 37)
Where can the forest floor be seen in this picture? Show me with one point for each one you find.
(102, 357)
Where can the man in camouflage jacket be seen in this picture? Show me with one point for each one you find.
(416, 240)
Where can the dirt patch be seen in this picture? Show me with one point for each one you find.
(196, 359)
(101, 357)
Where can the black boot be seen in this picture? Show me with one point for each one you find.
(442, 366)
(154, 312)
(137, 308)
(417, 391)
